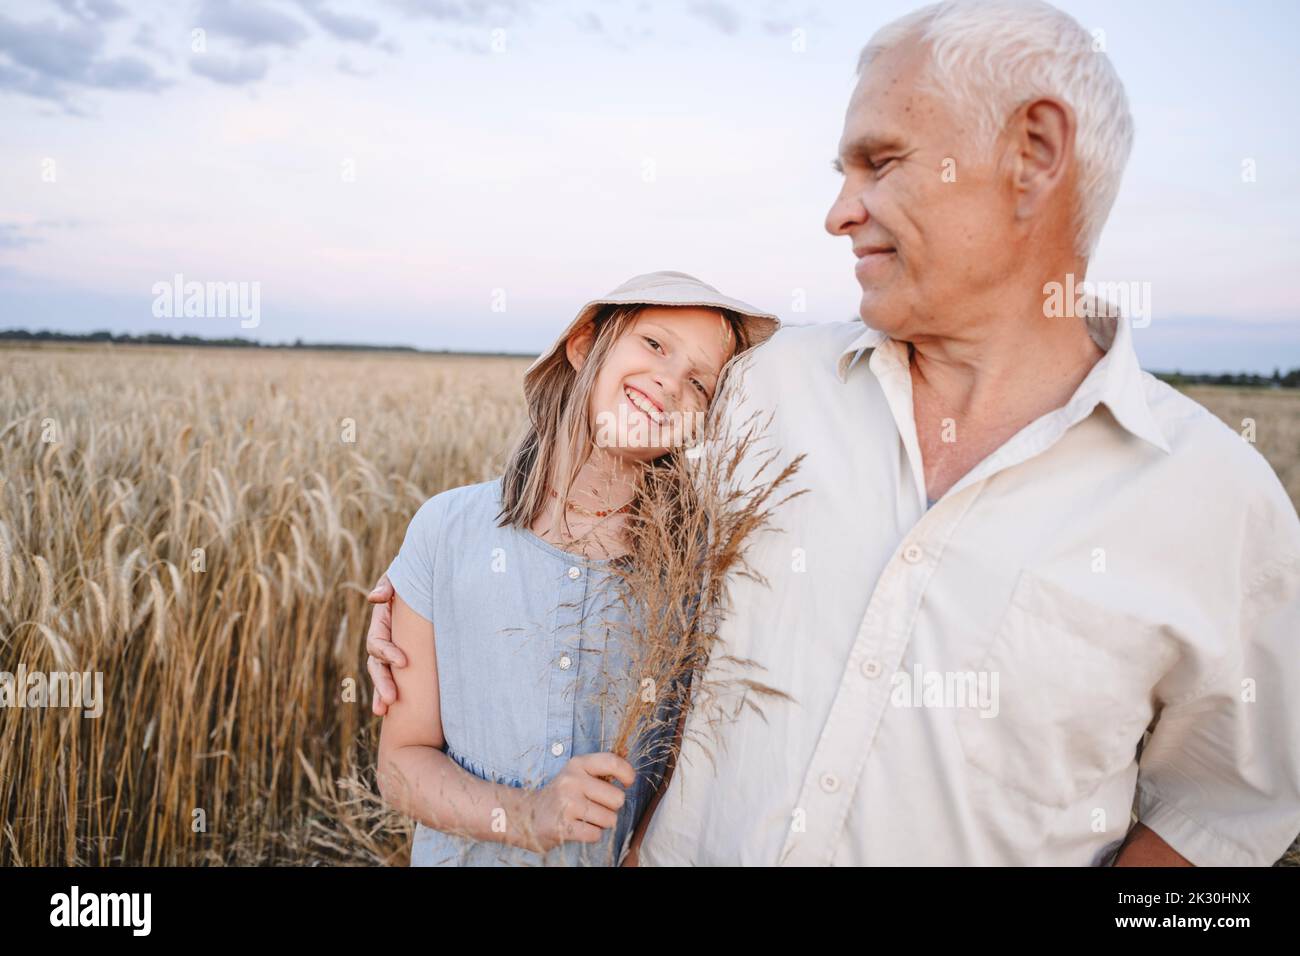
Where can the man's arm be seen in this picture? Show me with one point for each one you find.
(1144, 847)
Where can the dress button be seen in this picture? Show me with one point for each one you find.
(912, 554)
(557, 748)
(573, 573)
(566, 662)
(871, 667)
(830, 782)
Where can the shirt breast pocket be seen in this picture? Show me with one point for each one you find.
(1075, 686)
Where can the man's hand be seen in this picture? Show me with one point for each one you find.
(379, 645)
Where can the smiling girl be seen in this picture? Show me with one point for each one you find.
(506, 607)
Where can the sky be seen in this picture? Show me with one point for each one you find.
(465, 174)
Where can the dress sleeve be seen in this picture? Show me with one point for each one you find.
(411, 572)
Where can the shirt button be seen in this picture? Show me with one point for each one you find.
(557, 748)
(913, 553)
(830, 782)
(871, 668)
(573, 573)
(566, 662)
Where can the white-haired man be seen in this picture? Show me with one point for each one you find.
(1030, 582)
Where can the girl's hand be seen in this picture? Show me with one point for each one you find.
(379, 645)
(577, 806)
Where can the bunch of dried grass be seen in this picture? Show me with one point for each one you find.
(697, 514)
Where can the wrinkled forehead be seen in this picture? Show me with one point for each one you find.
(890, 96)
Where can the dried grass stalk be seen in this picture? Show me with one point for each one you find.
(698, 513)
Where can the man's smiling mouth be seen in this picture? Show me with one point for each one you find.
(871, 258)
(863, 251)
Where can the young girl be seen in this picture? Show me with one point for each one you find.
(508, 612)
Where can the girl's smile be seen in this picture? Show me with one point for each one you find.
(645, 404)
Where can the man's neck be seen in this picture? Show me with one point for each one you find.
(973, 390)
(1009, 363)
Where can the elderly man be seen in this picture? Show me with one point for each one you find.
(1000, 499)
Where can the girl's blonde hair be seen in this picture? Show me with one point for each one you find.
(559, 427)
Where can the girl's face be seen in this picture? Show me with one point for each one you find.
(658, 379)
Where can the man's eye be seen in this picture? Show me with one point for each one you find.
(880, 164)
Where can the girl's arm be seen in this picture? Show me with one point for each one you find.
(417, 778)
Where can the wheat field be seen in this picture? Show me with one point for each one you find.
(201, 525)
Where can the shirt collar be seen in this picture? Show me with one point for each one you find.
(868, 340)
(1116, 381)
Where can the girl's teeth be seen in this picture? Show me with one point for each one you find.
(642, 404)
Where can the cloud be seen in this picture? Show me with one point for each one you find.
(342, 26)
(590, 23)
(14, 236)
(462, 11)
(30, 83)
(346, 66)
(716, 14)
(122, 73)
(146, 39)
(467, 45)
(18, 235)
(61, 53)
(93, 9)
(49, 59)
(230, 70)
(252, 25)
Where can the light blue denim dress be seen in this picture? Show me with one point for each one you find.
(532, 666)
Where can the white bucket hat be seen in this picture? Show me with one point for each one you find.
(658, 288)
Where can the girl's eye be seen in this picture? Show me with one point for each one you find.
(703, 391)
(653, 343)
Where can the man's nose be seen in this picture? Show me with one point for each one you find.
(846, 213)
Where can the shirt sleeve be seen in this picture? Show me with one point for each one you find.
(739, 416)
(1219, 780)
(411, 572)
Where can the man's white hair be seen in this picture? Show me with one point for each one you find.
(989, 57)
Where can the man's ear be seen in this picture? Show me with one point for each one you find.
(578, 346)
(1044, 142)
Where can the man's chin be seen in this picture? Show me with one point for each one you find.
(876, 314)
